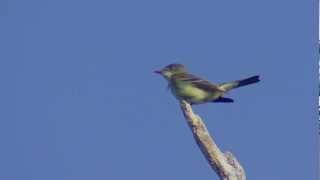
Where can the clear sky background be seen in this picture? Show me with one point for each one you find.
(79, 100)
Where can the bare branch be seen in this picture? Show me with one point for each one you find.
(224, 164)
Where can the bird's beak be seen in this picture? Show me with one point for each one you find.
(157, 72)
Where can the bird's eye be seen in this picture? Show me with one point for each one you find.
(168, 68)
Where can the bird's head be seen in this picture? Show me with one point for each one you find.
(170, 70)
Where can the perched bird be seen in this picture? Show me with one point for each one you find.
(195, 90)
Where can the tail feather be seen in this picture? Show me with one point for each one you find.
(235, 84)
(250, 80)
(224, 100)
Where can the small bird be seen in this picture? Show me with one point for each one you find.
(195, 90)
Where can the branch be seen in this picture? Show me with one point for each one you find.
(224, 164)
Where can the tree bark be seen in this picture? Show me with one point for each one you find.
(225, 164)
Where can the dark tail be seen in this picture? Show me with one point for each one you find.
(224, 100)
(250, 80)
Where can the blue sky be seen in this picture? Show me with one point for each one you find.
(80, 101)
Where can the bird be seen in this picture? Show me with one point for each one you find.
(196, 90)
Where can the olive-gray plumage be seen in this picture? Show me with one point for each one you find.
(195, 90)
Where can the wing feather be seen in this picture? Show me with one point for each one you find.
(197, 82)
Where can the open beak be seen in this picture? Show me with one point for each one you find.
(158, 72)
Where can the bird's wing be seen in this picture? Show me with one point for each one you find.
(197, 82)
